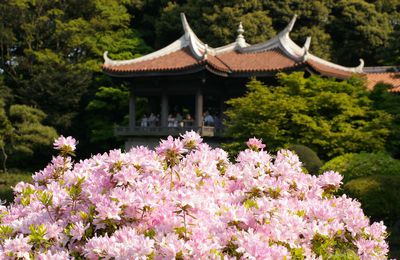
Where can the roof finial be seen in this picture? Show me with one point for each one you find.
(240, 29)
(240, 38)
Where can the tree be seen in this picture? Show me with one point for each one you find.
(328, 116)
(22, 132)
(5, 133)
(5, 124)
(30, 133)
(390, 103)
(359, 30)
(49, 51)
(107, 109)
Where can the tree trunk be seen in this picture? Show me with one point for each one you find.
(4, 159)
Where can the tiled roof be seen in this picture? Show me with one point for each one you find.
(270, 60)
(227, 62)
(328, 70)
(392, 78)
(178, 60)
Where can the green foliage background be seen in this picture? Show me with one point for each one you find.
(328, 116)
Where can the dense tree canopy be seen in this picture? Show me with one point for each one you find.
(22, 133)
(361, 28)
(49, 50)
(390, 103)
(329, 116)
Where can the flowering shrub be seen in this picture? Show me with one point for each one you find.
(184, 201)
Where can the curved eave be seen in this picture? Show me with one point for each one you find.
(212, 68)
(151, 73)
(358, 69)
(327, 71)
(175, 46)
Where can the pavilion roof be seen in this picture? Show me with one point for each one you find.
(189, 54)
(388, 77)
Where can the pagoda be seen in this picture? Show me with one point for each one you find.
(190, 77)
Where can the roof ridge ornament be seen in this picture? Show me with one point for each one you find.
(240, 40)
(186, 26)
(306, 48)
(360, 68)
(194, 43)
(107, 60)
(290, 25)
(307, 43)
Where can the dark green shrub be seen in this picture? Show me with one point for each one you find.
(353, 165)
(8, 180)
(309, 158)
(379, 196)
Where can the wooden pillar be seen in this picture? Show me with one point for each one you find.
(199, 107)
(132, 110)
(164, 109)
(222, 106)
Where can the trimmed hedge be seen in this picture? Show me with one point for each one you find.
(353, 165)
(309, 158)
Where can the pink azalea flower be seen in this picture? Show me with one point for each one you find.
(60, 255)
(66, 143)
(172, 203)
(330, 179)
(78, 230)
(18, 247)
(170, 146)
(255, 144)
(191, 139)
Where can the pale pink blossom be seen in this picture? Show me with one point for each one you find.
(191, 139)
(18, 247)
(78, 230)
(255, 144)
(187, 200)
(65, 143)
(330, 179)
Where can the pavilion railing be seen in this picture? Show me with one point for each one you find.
(207, 131)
